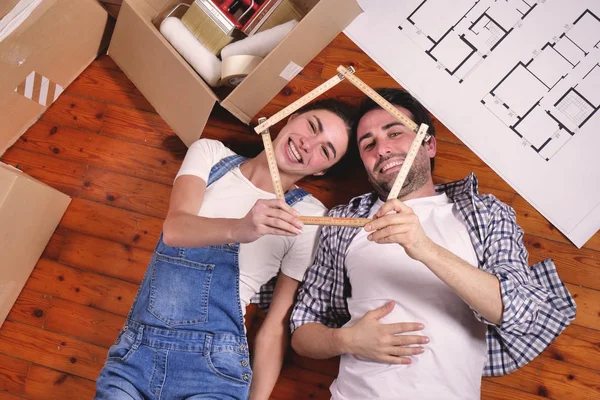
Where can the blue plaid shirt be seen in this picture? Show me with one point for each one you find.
(537, 305)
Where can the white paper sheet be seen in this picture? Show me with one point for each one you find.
(517, 81)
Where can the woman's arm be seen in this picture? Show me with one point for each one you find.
(184, 228)
(272, 339)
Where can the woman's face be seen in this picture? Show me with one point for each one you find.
(310, 142)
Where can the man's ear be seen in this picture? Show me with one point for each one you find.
(431, 146)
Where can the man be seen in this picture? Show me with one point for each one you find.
(443, 255)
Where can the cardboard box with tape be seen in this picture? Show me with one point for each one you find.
(181, 96)
(46, 46)
(29, 214)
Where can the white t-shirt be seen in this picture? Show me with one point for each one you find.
(453, 361)
(232, 196)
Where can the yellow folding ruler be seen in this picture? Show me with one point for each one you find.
(264, 124)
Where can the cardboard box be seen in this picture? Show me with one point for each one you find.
(29, 214)
(176, 91)
(42, 57)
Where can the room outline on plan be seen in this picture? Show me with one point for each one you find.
(548, 99)
(459, 35)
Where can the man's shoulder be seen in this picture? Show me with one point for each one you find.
(355, 207)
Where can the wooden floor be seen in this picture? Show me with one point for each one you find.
(103, 144)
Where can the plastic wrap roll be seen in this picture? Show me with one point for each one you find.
(205, 63)
(261, 44)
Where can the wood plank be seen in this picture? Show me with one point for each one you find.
(442, 133)
(9, 396)
(534, 223)
(13, 373)
(49, 384)
(491, 390)
(329, 367)
(111, 86)
(315, 67)
(577, 345)
(55, 245)
(105, 61)
(126, 192)
(136, 126)
(576, 266)
(76, 112)
(30, 308)
(51, 350)
(81, 287)
(63, 175)
(343, 42)
(554, 379)
(457, 161)
(105, 257)
(91, 149)
(102, 221)
(366, 69)
(588, 306)
(299, 383)
(84, 323)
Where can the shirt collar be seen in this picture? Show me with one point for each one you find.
(468, 186)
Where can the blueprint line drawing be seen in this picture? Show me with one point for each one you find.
(517, 81)
(459, 35)
(549, 98)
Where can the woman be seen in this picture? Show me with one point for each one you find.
(225, 236)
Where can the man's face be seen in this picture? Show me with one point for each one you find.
(310, 143)
(383, 144)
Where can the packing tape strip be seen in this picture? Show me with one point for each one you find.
(235, 68)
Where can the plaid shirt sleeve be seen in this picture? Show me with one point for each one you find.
(537, 305)
(318, 298)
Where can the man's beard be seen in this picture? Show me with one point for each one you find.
(417, 176)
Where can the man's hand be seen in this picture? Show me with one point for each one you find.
(268, 217)
(402, 227)
(370, 339)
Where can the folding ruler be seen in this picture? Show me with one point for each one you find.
(343, 73)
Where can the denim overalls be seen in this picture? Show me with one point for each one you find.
(184, 337)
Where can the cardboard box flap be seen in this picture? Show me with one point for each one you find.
(157, 5)
(6, 6)
(56, 47)
(265, 81)
(28, 216)
(173, 88)
(32, 18)
(7, 180)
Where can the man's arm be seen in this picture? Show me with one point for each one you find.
(367, 338)
(478, 288)
(272, 339)
(320, 310)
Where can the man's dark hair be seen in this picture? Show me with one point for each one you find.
(397, 97)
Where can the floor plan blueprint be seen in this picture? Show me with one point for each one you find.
(459, 35)
(530, 100)
(518, 81)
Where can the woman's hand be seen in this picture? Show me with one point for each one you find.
(268, 217)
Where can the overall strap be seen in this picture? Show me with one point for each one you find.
(228, 163)
(295, 195)
(224, 166)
